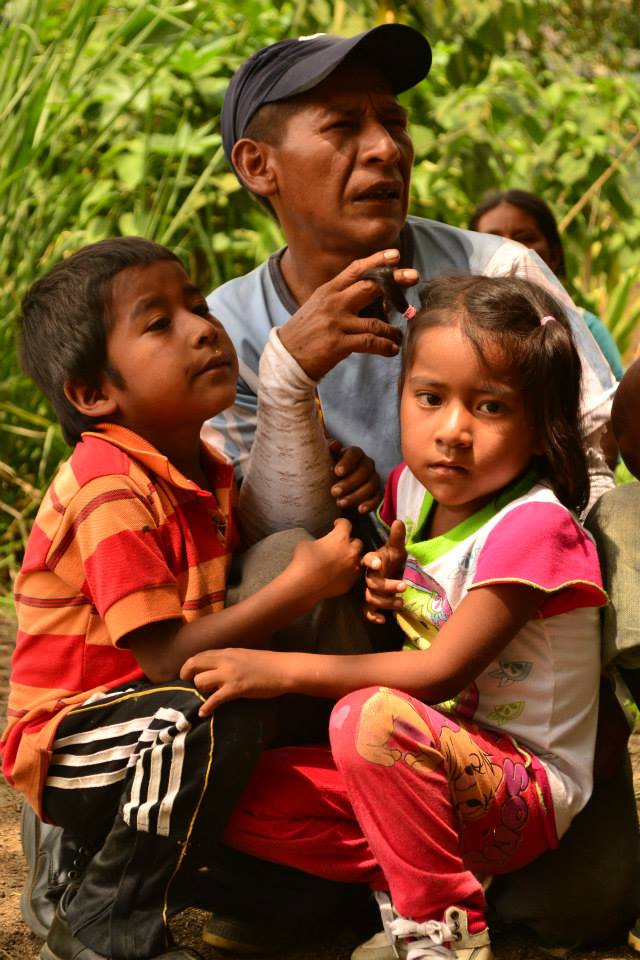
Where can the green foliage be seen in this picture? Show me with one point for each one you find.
(109, 123)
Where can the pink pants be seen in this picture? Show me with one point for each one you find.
(412, 801)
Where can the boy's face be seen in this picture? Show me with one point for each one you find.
(174, 363)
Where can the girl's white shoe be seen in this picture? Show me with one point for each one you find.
(405, 939)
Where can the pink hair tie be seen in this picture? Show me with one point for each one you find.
(545, 320)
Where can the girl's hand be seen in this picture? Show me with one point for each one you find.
(327, 567)
(382, 566)
(358, 484)
(234, 673)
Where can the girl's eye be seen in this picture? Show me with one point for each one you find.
(201, 309)
(491, 406)
(160, 323)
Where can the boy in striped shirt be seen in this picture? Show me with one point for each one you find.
(124, 579)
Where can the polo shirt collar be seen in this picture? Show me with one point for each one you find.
(150, 457)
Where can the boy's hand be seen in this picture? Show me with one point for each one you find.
(231, 674)
(358, 483)
(327, 567)
(382, 592)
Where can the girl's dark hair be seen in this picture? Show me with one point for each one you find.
(66, 316)
(506, 312)
(535, 207)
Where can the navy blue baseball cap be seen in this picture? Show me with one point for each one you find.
(293, 66)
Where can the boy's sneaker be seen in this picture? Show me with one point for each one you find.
(433, 940)
(62, 945)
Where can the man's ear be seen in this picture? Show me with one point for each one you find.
(93, 400)
(251, 160)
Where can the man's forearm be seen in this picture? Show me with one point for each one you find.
(289, 473)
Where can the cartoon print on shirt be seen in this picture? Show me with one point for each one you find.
(504, 712)
(464, 566)
(511, 671)
(425, 598)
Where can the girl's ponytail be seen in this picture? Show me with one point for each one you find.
(554, 378)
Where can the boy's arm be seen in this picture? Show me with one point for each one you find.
(319, 569)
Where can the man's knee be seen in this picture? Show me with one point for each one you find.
(589, 887)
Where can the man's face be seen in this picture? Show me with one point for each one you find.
(343, 166)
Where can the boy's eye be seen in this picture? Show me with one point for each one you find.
(429, 399)
(160, 323)
(201, 309)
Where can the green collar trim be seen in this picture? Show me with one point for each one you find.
(426, 551)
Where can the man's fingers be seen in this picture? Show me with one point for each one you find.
(348, 459)
(368, 493)
(356, 478)
(351, 274)
(368, 506)
(406, 276)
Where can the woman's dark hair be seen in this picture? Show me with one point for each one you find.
(535, 207)
(506, 312)
(66, 316)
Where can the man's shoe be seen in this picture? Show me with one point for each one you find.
(634, 936)
(62, 945)
(408, 940)
(54, 858)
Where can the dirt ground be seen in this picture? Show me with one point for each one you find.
(17, 943)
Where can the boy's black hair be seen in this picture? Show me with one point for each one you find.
(506, 312)
(535, 207)
(66, 316)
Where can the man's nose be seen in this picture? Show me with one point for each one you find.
(378, 145)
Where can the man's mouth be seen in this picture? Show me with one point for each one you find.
(380, 193)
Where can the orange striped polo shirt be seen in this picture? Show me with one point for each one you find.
(122, 539)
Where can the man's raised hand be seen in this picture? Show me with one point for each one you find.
(327, 327)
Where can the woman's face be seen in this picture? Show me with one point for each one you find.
(509, 221)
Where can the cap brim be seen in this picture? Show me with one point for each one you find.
(401, 54)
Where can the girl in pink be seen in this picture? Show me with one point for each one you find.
(469, 752)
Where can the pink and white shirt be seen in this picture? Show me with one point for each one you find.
(543, 687)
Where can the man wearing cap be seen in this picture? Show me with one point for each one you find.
(312, 127)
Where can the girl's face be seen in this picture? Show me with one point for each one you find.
(466, 430)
